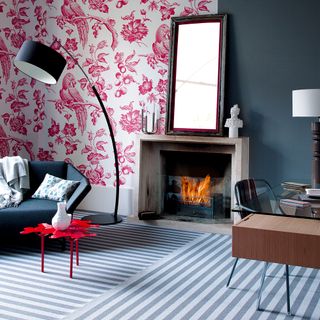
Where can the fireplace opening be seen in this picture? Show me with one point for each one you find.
(196, 186)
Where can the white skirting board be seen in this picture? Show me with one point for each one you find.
(102, 199)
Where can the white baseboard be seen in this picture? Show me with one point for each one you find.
(101, 199)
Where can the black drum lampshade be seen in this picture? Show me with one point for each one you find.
(40, 62)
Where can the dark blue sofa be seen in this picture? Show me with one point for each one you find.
(31, 211)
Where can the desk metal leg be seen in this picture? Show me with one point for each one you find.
(231, 274)
(42, 252)
(263, 275)
(288, 289)
(71, 257)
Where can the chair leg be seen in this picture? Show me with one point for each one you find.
(288, 289)
(263, 275)
(231, 274)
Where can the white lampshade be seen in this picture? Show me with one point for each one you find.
(306, 103)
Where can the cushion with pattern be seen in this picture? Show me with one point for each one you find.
(54, 188)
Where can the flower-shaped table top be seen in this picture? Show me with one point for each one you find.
(76, 230)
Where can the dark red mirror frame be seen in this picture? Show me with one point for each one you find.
(218, 106)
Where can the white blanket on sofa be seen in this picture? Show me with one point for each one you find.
(14, 180)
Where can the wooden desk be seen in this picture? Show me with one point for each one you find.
(279, 239)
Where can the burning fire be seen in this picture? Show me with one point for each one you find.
(195, 192)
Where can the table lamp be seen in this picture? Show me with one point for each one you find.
(306, 103)
(46, 65)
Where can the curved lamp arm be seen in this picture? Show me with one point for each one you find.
(46, 65)
(114, 146)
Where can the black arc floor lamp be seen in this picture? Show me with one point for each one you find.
(46, 65)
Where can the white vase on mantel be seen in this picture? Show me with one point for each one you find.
(61, 220)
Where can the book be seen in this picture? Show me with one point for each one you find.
(296, 186)
(306, 198)
(295, 203)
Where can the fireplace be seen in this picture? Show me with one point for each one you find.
(195, 185)
(206, 167)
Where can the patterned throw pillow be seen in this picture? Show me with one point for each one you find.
(54, 188)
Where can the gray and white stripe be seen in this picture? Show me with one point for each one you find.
(191, 284)
(116, 254)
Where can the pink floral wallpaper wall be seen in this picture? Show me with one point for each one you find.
(123, 46)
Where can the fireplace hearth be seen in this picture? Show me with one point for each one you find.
(189, 178)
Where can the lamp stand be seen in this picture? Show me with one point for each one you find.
(108, 218)
(103, 218)
(315, 128)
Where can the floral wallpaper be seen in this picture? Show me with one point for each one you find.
(122, 45)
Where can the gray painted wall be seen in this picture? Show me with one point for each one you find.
(273, 47)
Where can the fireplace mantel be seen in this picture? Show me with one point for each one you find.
(146, 185)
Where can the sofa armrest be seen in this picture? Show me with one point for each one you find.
(81, 191)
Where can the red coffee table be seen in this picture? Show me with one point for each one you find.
(78, 229)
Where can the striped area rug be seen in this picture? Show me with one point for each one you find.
(190, 284)
(116, 254)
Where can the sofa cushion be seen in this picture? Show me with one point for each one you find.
(29, 213)
(54, 188)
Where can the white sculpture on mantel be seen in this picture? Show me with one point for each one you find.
(234, 123)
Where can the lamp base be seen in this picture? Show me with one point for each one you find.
(103, 219)
(315, 127)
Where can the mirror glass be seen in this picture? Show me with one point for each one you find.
(196, 75)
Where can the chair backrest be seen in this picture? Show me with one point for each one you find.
(254, 195)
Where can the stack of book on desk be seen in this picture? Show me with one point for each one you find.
(295, 203)
(295, 207)
(295, 186)
(308, 198)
